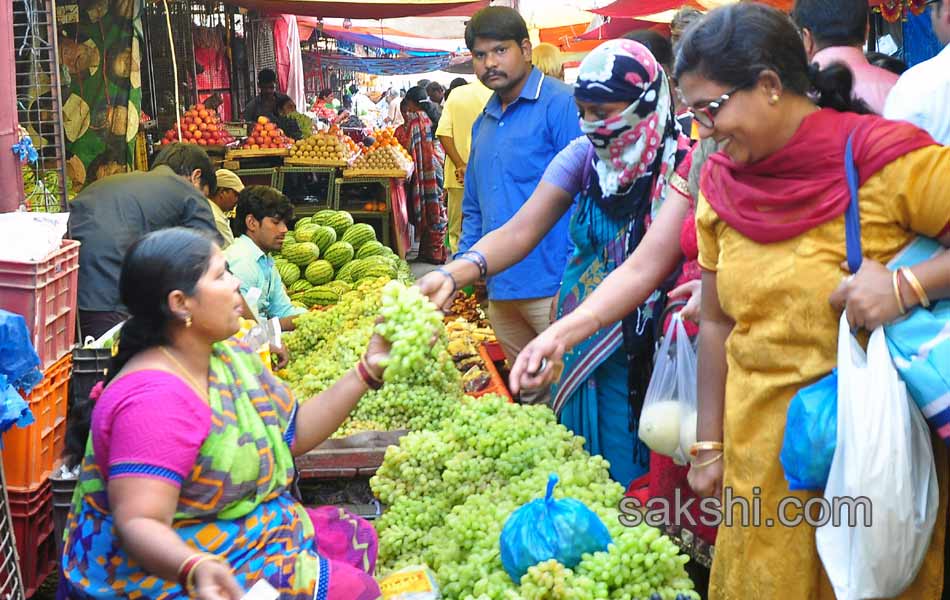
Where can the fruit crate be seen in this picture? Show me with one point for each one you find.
(62, 503)
(265, 176)
(89, 367)
(490, 351)
(310, 189)
(357, 455)
(355, 194)
(29, 453)
(44, 292)
(32, 516)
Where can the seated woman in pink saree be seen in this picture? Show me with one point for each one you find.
(185, 485)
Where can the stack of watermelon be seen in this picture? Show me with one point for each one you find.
(327, 254)
(201, 126)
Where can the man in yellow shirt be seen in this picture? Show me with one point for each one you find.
(224, 201)
(462, 107)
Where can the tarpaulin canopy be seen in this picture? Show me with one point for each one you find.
(358, 9)
(615, 28)
(379, 37)
(567, 37)
(399, 43)
(385, 66)
(661, 11)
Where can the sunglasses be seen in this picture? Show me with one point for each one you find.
(706, 115)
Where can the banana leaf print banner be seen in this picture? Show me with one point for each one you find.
(101, 58)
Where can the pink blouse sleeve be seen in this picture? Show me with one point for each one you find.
(149, 424)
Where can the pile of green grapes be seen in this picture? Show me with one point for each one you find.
(449, 492)
(422, 387)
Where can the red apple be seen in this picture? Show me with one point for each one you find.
(202, 126)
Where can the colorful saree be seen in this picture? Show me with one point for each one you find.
(426, 203)
(235, 504)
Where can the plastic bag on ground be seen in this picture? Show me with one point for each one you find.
(669, 417)
(883, 454)
(547, 528)
(811, 431)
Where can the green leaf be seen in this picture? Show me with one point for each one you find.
(88, 147)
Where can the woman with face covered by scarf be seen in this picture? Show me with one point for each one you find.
(621, 171)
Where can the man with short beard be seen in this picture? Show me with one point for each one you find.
(527, 121)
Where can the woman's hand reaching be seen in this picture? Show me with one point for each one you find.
(868, 297)
(548, 348)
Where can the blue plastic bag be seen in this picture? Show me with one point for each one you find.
(547, 528)
(811, 430)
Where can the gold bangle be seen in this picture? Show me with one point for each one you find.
(588, 312)
(897, 292)
(915, 285)
(698, 447)
(190, 581)
(706, 463)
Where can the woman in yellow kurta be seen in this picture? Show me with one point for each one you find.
(772, 242)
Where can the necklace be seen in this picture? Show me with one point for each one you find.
(202, 390)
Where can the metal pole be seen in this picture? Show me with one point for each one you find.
(11, 179)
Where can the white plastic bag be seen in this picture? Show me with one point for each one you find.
(884, 454)
(668, 419)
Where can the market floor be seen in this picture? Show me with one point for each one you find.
(421, 268)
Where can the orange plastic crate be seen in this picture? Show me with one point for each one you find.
(44, 293)
(30, 453)
(497, 385)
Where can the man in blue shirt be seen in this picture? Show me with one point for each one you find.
(262, 214)
(528, 120)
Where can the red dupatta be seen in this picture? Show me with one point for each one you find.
(803, 185)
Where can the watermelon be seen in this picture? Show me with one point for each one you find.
(376, 271)
(302, 222)
(319, 272)
(388, 251)
(306, 233)
(341, 221)
(324, 237)
(301, 285)
(359, 234)
(320, 296)
(289, 238)
(289, 272)
(298, 304)
(302, 254)
(371, 248)
(324, 216)
(339, 254)
(345, 273)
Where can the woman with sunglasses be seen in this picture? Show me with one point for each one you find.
(770, 224)
(621, 171)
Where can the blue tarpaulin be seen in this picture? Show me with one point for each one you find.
(920, 43)
(19, 370)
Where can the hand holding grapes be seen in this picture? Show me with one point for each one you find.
(439, 287)
(377, 353)
(545, 350)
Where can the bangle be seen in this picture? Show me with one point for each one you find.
(476, 258)
(184, 569)
(915, 285)
(698, 447)
(586, 311)
(897, 292)
(363, 373)
(188, 569)
(450, 277)
(369, 371)
(706, 463)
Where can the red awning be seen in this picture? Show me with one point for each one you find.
(616, 28)
(632, 9)
(372, 9)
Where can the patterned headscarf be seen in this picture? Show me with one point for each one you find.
(638, 149)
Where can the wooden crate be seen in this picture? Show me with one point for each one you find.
(261, 176)
(358, 455)
(289, 182)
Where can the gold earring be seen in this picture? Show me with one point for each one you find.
(774, 99)
(188, 321)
